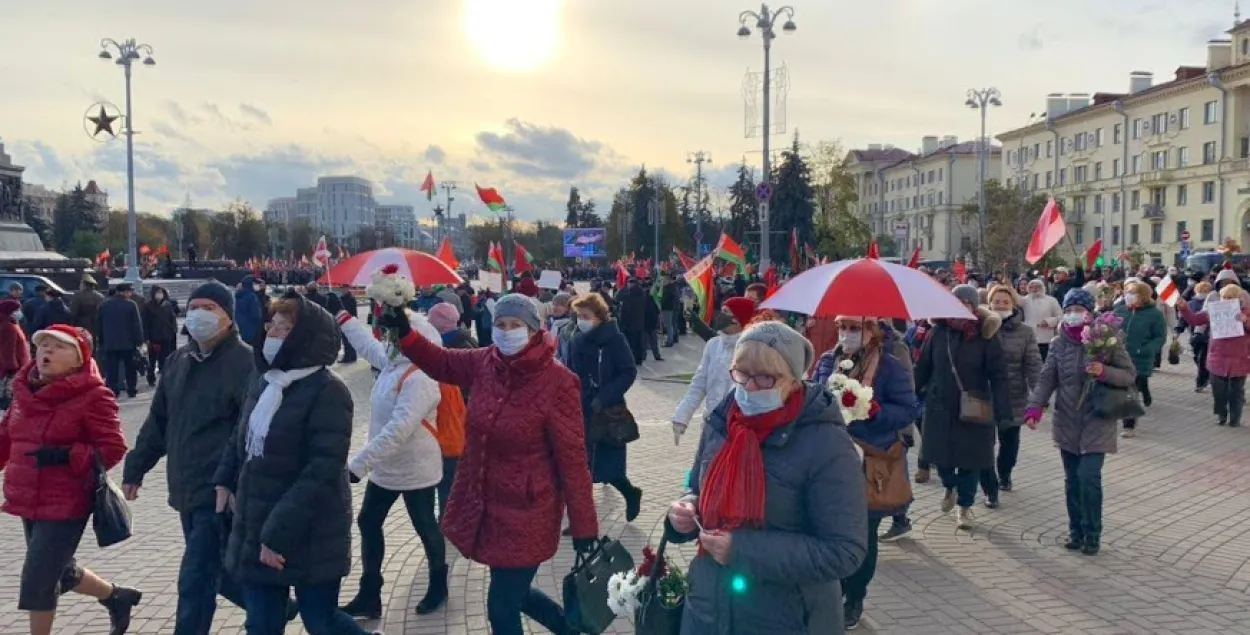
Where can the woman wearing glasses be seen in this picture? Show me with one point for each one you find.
(776, 498)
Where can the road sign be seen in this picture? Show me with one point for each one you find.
(1185, 235)
(763, 191)
(698, 237)
(900, 229)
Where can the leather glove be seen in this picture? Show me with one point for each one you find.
(395, 319)
(351, 476)
(584, 546)
(48, 456)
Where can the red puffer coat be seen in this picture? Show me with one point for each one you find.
(77, 412)
(524, 456)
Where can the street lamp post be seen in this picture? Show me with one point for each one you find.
(127, 52)
(981, 100)
(764, 22)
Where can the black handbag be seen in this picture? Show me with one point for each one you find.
(614, 425)
(1113, 402)
(586, 586)
(652, 617)
(110, 514)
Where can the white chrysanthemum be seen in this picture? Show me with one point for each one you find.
(1113, 341)
(393, 290)
(846, 364)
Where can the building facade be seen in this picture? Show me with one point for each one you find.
(280, 211)
(401, 221)
(1160, 168)
(918, 198)
(40, 200)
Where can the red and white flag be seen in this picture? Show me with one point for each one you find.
(1049, 231)
(321, 255)
(1167, 291)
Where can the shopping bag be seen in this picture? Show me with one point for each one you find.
(586, 586)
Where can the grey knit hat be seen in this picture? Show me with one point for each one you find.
(515, 305)
(967, 294)
(793, 347)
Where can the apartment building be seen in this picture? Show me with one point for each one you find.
(401, 221)
(1163, 167)
(917, 198)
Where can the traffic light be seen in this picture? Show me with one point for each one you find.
(739, 583)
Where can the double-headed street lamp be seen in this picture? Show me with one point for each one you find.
(129, 51)
(765, 20)
(982, 100)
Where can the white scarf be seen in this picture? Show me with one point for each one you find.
(276, 383)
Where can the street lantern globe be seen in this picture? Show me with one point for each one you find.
(148, 61)
(105, 55)
(789, 26)
(970, 103)
(744, 32)
(994, 101)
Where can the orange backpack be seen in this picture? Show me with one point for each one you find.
(450, 417)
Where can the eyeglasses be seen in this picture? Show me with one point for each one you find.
(761, 381)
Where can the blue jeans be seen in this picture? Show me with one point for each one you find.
(201, 577)
(1082, 487)
(670, 327)
(444, 486)
(964, 482)
(511, 593)
(318, 608)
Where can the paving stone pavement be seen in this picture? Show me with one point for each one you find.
(1175, 557)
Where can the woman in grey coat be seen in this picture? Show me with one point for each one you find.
(777, 500)
(1083, 439)
(1022, 361)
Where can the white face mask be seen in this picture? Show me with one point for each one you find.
(851, 341)
(271, 348)
(203, 325)
(1130, 298)
(585, 325)
(510, 342)
(1074, 319)
(757, 402)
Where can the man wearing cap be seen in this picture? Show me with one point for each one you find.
(192, 420)
(121, 334)
(85, 305)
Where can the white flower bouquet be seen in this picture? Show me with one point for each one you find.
(854, 399)
(392, 291)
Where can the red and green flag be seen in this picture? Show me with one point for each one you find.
(701, 279)
(428, 186)
(686, 261)
(491, 198)
(494, 257)
(729, 249)
(523, 261)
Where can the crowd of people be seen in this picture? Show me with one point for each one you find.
(256, 433)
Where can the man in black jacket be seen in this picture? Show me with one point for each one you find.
(191, 423)
(121, 329)
(670, 305)
(631, 314)
(160, 326)
(348, 302)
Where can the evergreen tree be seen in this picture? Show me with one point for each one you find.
(573, 218)
(74, 212)
(587, 216)
(743, 207)
(793, 203)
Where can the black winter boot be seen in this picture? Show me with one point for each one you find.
(436, 593)
(119, 604)
(368, 601)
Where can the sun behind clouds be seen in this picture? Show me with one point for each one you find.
(513, 35)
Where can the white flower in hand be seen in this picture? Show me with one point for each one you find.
(846, 364)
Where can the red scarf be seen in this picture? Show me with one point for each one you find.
(733, 490)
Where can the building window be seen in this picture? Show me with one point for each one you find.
(1210, 112)
(1182, 195)
(1208, 230)
(1160, 160)
(1049, 148)
(1063, 176)
(1078, 141)
(1078, 174)
(1208, 153)
(1098, 138)
(1035, 181)
(1159, 196)
(1245, 147)
(1181, 226)
(1098, 171)
(1115, 202)
(1115, 133)
(1115, 235)
(1159, 123)
(1208, 191)
(1078, 204)
(1133, 234)
(1050, 178)
(1182, 157)
(1134, 199)
(1080, 234)
(1097, 233)
(939, 175)
(939, 198)
(1137, 128)
(1135, 164)
(1115, 167)
(1098, 203)
(1156, 233)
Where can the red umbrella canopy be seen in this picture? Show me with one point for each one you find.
(867, 287)
(422, 268)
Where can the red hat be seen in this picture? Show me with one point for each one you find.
(528, 287)
(743, 309)
(71, 335)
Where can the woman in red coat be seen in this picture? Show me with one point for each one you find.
(524, 459)
(14, 352)
(62, 418)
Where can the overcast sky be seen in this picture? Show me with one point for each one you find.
(254, 99)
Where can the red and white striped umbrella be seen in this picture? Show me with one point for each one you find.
(422, 268)
(867, 287)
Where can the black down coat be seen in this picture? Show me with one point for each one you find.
(294, 498)
(949, 441)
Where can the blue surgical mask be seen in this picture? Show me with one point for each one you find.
(585, 325)
(757, 402)
(510, 342)
(1074, 319)
(271, 348)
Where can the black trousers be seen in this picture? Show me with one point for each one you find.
(115, 362)
(1008, 454)
(158, 354)
(1043, 349)
(637, 345)
(373, 512)
(1230, 397)
(1199, 346)
(50, 569)
(1143, 387)
(349, 352)
(855, 588)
